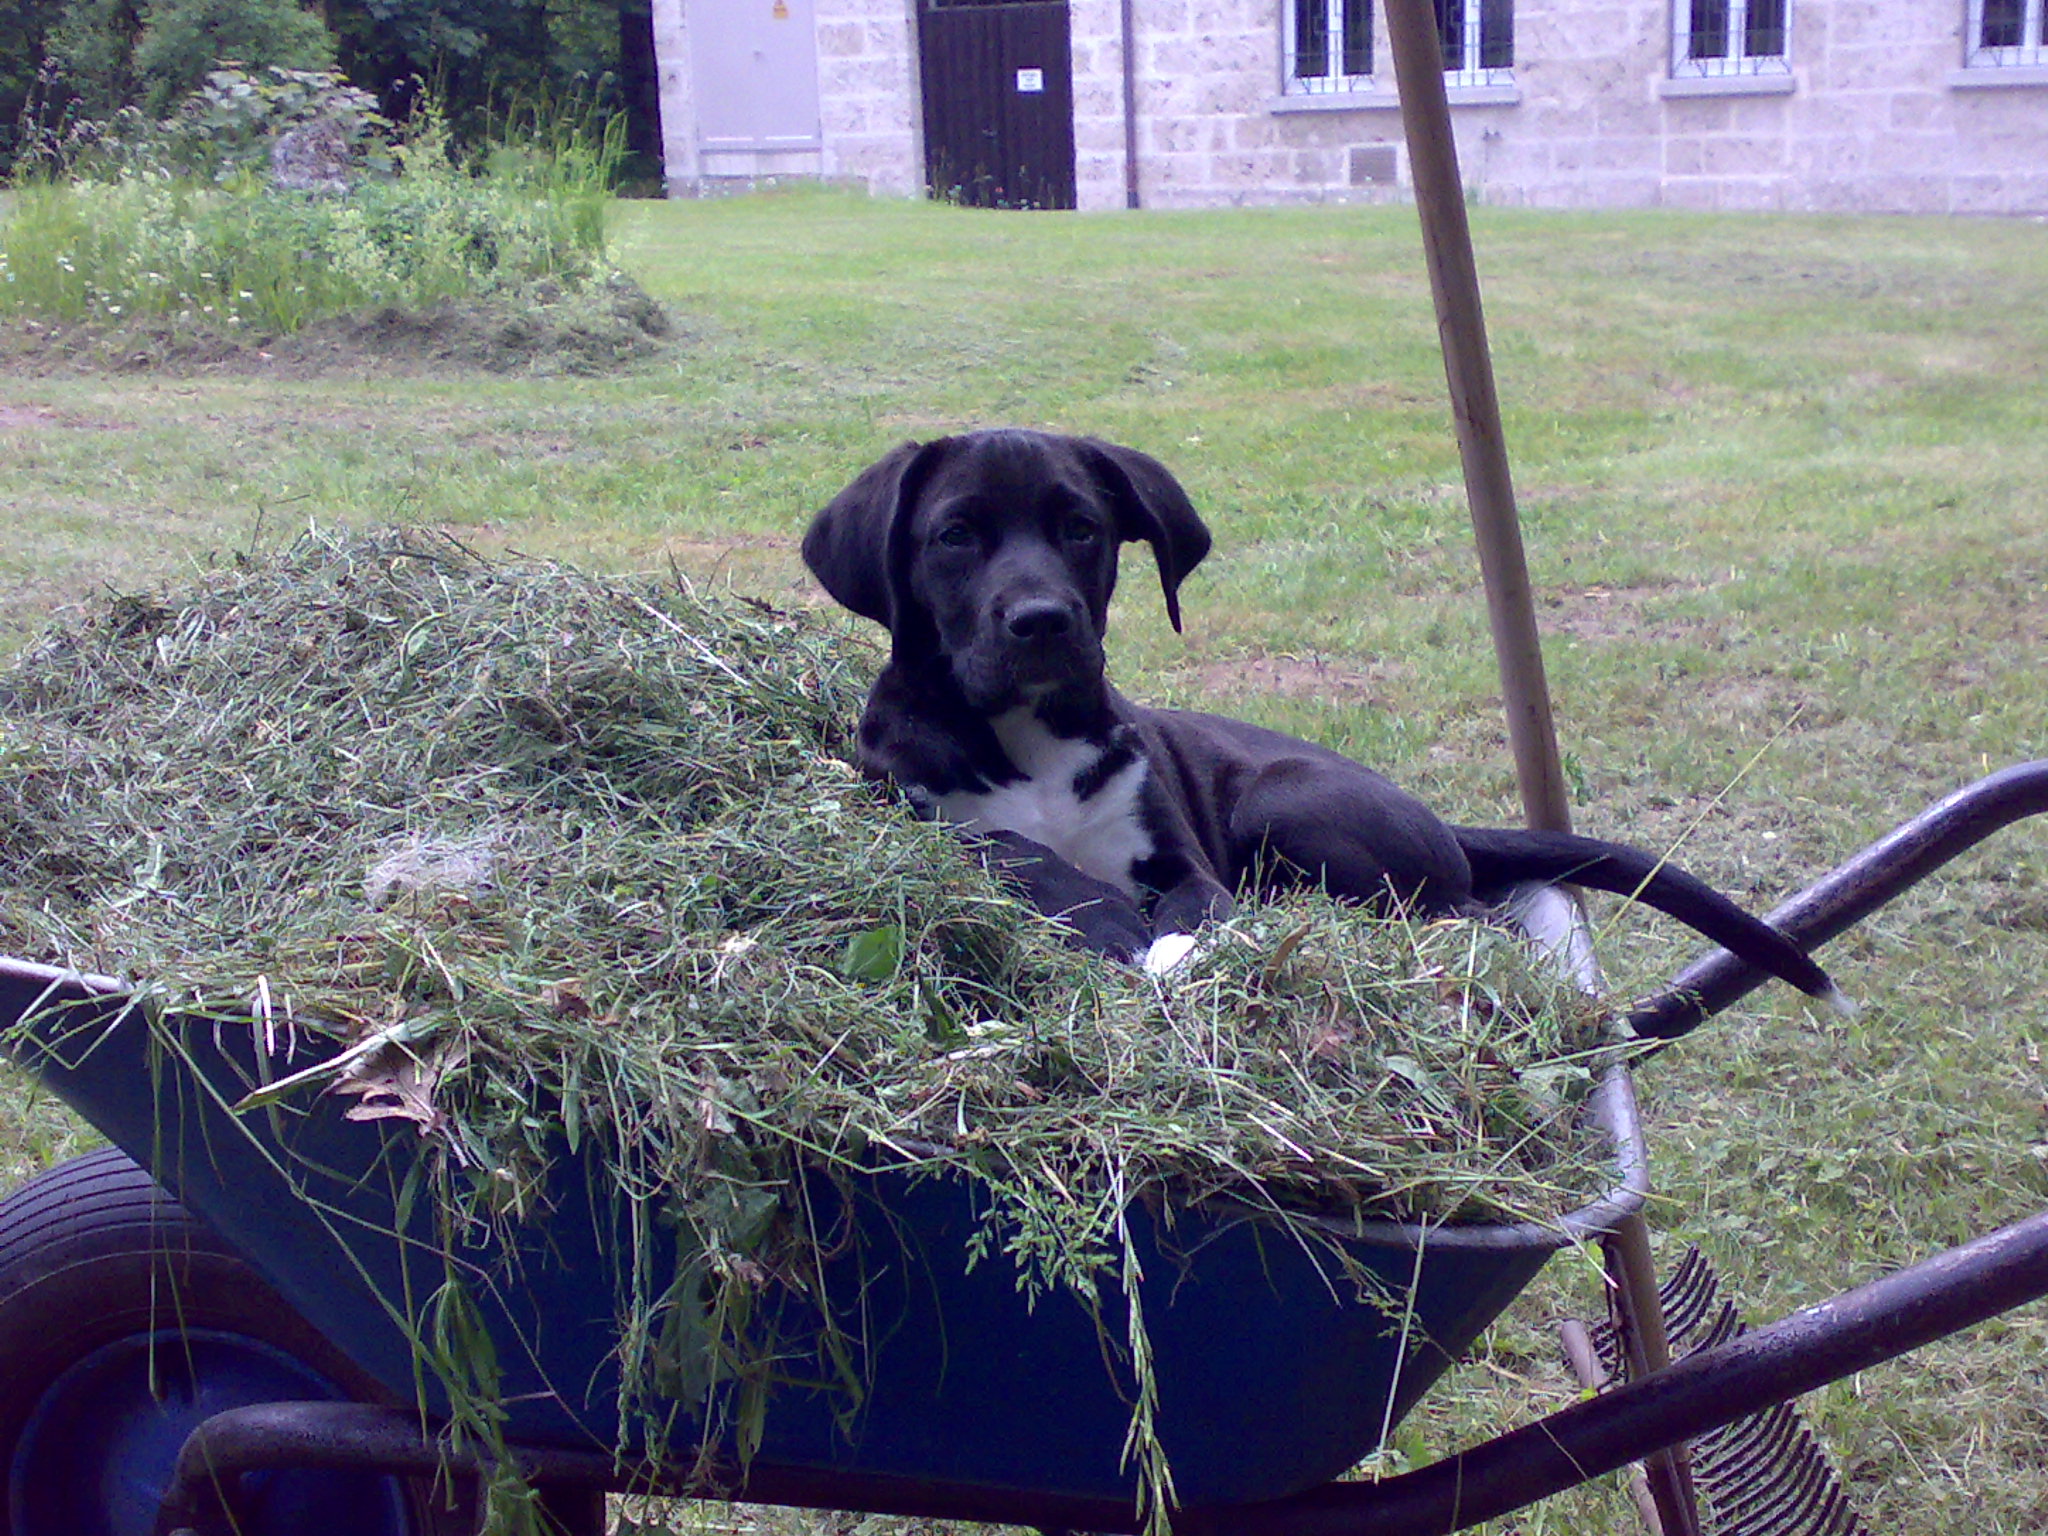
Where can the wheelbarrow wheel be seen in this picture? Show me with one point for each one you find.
(124, 1324)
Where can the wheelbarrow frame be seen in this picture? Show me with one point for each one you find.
(1824, 1343)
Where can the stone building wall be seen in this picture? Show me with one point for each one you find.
(1875, 113)
(868, 98)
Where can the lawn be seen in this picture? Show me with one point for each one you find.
(1779, 484)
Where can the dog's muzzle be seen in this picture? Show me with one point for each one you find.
(1029, 648)
(1041, 623)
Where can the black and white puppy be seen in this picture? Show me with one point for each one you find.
(990, 558)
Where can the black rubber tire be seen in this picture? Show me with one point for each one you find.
(94, 1251)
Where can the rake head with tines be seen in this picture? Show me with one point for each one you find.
(1765, 1475)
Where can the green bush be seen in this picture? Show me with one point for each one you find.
(231, 122)
(182, 40)
(136, 240)
(90, 55)
(115, 54)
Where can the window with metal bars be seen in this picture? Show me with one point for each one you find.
(1732, 37)
(1329, 46)
(2006, 33)
(1478, 40)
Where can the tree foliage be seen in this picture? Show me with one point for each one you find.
(482, 60)
(91, 51)
(23, 29)
(485, 60)
(181, 40)
(112, 54)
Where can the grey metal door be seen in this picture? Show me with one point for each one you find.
(998, 83)
(756, 78)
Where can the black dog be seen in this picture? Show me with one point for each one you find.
(990, 558)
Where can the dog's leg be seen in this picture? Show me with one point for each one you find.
(1312, 821)
(1094, 913)
(1185, 904)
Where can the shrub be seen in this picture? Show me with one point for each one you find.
(182, 40)
(112, 55)
(231, 122)
(133, 233)
(91, 55)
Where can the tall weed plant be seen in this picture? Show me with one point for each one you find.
(568, 142)
(135, 239)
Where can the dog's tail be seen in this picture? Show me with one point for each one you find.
(1503, 857)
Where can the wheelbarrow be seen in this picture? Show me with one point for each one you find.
(211, 1325)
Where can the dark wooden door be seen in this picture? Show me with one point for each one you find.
(998, 84)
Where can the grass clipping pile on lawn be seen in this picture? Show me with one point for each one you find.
(596, 844)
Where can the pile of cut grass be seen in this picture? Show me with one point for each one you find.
(569, 842)
(540, 331)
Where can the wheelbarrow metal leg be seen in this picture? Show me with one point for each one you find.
(1639, 1316)
(352, 1437)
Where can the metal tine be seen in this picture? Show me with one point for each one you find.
(1774, 1503)
(1766, 1475)
(1739, 1469)
(1688, 1296)
(1771, 1434)
(1785, 1484)
(1800, 1514)
(1767, 1433)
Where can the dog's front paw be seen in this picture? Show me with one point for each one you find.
(1166, 952)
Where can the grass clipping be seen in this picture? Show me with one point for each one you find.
(563, 841)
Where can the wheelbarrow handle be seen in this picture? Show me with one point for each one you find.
(1852, 891)
(1810, 1348)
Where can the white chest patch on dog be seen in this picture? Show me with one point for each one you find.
(1099, 832)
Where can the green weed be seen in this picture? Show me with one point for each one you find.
(145, 242)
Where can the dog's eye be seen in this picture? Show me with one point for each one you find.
(954, 536)
(1082, 530)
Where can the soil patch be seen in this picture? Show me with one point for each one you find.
(1613, 613)
(1296, 677)
(547, 330)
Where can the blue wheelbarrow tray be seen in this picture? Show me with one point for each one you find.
(1276, 1367)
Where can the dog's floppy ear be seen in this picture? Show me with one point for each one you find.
(850, 546)
(1152, 506)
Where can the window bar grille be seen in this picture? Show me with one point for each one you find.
(1478, 38)
(2006, 33)
(1733, 37)
(1329, 46)
(1311, 40)
(1357, 37)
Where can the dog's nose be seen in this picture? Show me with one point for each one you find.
(1040, 618)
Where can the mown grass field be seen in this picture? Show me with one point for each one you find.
(1781, 484)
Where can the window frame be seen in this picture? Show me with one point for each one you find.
(1337, 78)
(2030, 52)
(1737, 61)
(1471, 68)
